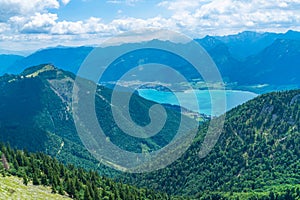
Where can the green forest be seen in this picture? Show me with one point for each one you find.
(256, 157)
(77, 183)
(257, 154)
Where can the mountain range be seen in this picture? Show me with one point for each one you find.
(248, 43)
(239, 58)
(256, 154)
(251, 58)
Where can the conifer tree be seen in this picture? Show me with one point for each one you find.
(35, 180)
(71, 190)
(61, 189)
(25, 180)
(87, 195)
(53, 190)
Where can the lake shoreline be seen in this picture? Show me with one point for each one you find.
(208, 102)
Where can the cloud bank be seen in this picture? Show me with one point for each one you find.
(20, 20)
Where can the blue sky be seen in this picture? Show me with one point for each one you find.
(34, 24)
(109, 10)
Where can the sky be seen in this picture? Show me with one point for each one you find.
(34, 24)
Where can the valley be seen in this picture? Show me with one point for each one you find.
(257, 151)
(256, 156)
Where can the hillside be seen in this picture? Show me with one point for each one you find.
(37, 176)
(35, 117)
(12, 187)
(36, 114)
(277, 64)
(258, 151)
(257, 154)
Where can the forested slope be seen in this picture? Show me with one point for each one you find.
(259, 149)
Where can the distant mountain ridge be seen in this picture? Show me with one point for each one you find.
(249, 43)
(251, 58)
(248, 58)
(7, 60)
(67, 58)
(277, 64)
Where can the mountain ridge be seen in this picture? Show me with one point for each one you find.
(237, 72)
(37, 115)
(259, 147)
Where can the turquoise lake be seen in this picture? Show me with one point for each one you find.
(200, 100)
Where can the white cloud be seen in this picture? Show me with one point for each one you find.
(49, 23)
(96, 26)
(90, 26)
(10, 8)
(180, 5)
(127, 2)
(129, 23)
(195, 18)
(222, 17)
(4, 27)
(65, 2)
(66, 27)
(40, 23)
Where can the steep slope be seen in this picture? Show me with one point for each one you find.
(258, 148)
(228, 66)
(37, 170)
(278, 64)
(36, 114)
(35, 117)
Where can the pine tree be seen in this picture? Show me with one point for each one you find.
(53, 190)
(78, 185)
(96, 193)
(35, 180)
(91, 191)
(87, 195)
(61, 189)
(71, 190)
(44, 180)
(20, 158)
(25, 180)
(15, 163)
(272, 196)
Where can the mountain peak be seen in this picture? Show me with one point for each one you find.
(209, 42)
(37, 70)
